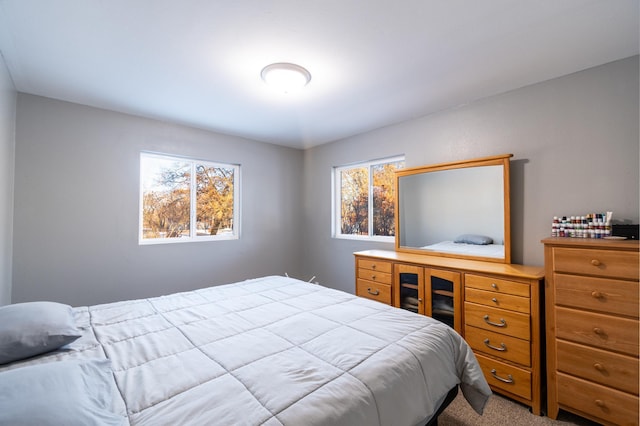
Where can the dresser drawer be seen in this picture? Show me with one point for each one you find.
(596, 400)
(506, 377)
(374, 291)
(597, 294)
(605, 263)
(599, 330)
(379, 277)
(496, 285)
(498, 300)
(603, 367)
(375, 265)
(499, 345)
(497, 320)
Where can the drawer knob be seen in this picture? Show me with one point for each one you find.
(595, 262)
(488, 344)
(502, 322)
(597, 294)
(509, 378)
(373, 266)
(373, 293)
(599, 367)
(598, 331)
(600, 403)
(494, 300)
(373, 277)
(494, 285)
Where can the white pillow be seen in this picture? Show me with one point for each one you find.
(70, 393)
(33, 328)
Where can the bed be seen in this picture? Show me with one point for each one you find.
(267, 351)
(484, 250)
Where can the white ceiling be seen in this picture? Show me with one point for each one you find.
(373, 62)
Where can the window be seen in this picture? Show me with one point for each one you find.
(183, 200)
(364, 199)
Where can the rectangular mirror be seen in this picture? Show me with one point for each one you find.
(458, 209)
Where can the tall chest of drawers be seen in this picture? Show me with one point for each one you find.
(592, 310)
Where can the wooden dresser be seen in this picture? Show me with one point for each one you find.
(495, 306)
(592, 307)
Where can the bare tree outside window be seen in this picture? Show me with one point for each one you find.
(354, 203)
(187, 200)
(214, 199)
(365, 198)
(384, 196)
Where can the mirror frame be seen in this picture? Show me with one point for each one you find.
(498, 160)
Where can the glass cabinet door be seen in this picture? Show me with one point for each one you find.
(409, 288)
(442, 294)
(432, 292)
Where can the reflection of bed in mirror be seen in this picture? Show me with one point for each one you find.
(485, 250)
(436, 204)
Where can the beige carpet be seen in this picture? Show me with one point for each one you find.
(502, 411)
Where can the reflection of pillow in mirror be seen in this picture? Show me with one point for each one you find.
(34, 328)
(59, 393)
(474, 239)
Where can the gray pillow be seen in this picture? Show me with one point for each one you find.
(59, 393)
(33, 328)
(474, 239)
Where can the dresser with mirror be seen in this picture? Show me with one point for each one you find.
(452, 262)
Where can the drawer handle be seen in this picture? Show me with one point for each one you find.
(373, 293)
(599, 367)
(502, 347)
(509, 378)
(600, 403)
(373, 266)
(502, 322)
(494, 285)
(599, 331)
(597, 294)
(595, 262)
(494, 300)
(373, 277)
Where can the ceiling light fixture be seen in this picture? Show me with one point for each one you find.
(285, 77)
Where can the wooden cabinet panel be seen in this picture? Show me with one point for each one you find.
(596, 401)
(598, 330)
(597, 262)
(379, 277)
(604, 367)
(374, 291)
(497, 284)
(499, 345)
(597, 294)
(506, 377)
(375, 265)
(497, 320)
(498, 300)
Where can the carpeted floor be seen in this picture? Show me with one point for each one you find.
(502, 411)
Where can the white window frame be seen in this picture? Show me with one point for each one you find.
(192, 210)
(336, 213)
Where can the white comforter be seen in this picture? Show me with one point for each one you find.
(484, 250)
(275, 351)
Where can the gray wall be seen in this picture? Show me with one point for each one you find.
(7, 152)
(76, 207)
(575, 142)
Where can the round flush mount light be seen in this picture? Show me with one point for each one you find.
(285, 77)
